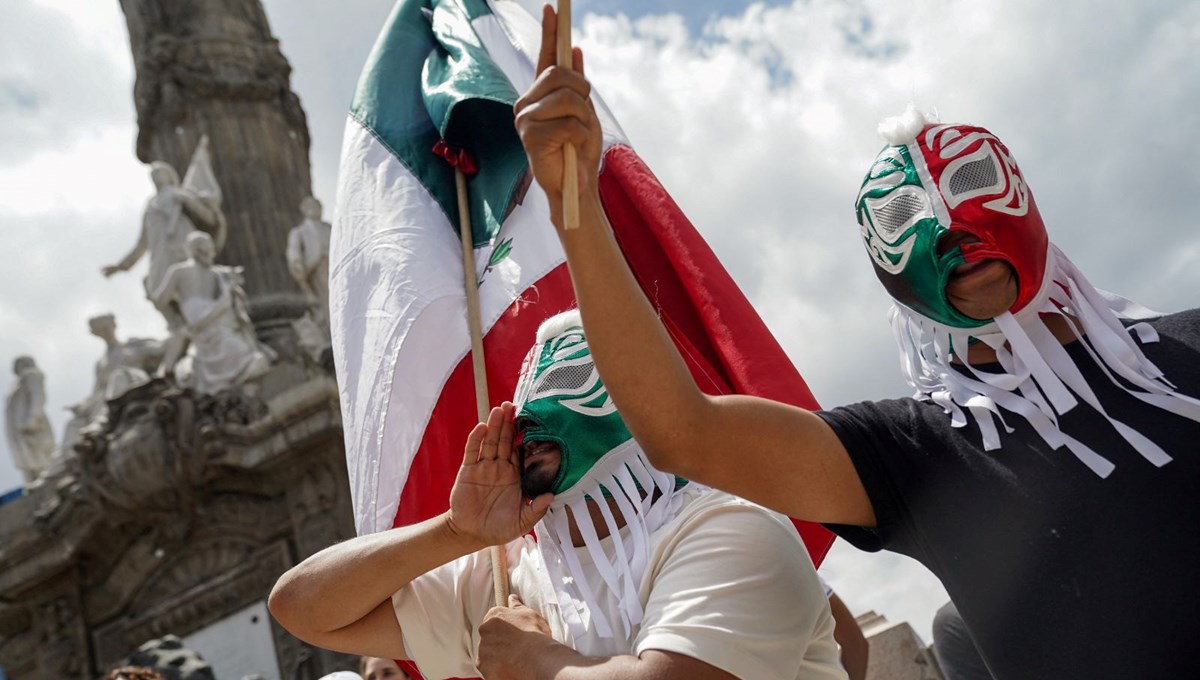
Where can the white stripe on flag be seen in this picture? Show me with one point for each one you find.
(397, 269)
(512, 38)
(397, 307)
(398, 310)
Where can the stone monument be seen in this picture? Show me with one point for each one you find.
(212, 305)
(182, 503)
(212, 67)
(30, 438)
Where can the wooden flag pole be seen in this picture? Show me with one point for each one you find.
(475, 325)
(570, 187)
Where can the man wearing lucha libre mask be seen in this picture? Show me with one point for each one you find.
(1046, 469)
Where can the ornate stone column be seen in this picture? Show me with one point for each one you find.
(212, 67)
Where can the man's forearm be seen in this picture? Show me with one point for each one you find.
(343, 583)
(549, 660)
(559, 662)
(632, 350)
(800, 466)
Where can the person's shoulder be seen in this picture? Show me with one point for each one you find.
(718, 531)
(703, 502)
(720, 512)
(901, 418)
(1185, 323)
(885, 407)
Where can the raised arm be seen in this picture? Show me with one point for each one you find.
(127, 262)
(780, 456)
(340, 598)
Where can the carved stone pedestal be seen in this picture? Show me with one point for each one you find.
(183, 510)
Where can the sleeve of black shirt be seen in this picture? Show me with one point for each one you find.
(882, 439)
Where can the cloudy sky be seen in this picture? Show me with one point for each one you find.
(758, 117)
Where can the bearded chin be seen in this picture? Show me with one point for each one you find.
(537, 480)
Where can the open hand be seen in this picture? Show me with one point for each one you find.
(486, 503)
(555, 111)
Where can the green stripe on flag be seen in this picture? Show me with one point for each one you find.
(429, 77)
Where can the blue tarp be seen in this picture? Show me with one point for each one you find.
(6, 498)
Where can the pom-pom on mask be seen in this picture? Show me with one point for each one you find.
(933, 181)
(560, 398)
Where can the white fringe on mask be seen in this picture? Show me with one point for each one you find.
(1039, 380)
(617, 471)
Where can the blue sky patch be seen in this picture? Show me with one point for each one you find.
(695, 13)
(17, 96)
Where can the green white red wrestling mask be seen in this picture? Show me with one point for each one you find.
(561, 399)
(938, 204)
(932, 181)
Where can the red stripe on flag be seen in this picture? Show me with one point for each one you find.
(435, 465)
(725, 343)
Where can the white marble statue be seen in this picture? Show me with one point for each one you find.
(175, 211)
(308, 257)
(210, 300)
(124, 366)
(30, 439)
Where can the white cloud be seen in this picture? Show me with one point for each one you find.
(761, 127)
(97, 174)
(45, 101)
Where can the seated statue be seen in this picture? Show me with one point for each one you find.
(124, 366)
(212, 304)
(175, 211)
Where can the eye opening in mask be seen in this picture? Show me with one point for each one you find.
(568, 378)
(977, 174)
(892, 214)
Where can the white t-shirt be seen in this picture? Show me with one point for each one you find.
(729, 583)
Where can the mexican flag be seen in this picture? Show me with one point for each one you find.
(449, 71)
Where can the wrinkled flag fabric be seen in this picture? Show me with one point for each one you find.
(450, 70)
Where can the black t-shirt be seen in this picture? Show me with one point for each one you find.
(1057, 572)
